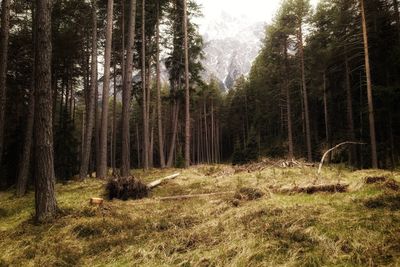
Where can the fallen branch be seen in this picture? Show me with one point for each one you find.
(160, 181)
(336, 147)
(194, 196)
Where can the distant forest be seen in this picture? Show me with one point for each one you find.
(322, 77)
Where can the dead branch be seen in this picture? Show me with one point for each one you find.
(194, 196)
(335, 147)
(311, 189)
(159, 181)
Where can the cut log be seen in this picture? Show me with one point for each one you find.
(160, 181)
(95, 201)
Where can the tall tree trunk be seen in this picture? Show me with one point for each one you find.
(175, 117)
(90, 112)
(159, 104)
(206, 130)
(102, 166)
(24, 165)
(350, 120)
(126, 92)
(369, 89)
(212, 133)
(4, 34)
(288, 105)
(305, 95)
(45, 200)
(145, 119)
(187, 92)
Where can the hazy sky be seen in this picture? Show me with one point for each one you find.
(257, 10)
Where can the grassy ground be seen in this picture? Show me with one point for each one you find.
(357, 228)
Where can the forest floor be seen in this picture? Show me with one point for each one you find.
(357, 228)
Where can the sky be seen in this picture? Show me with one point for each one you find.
(256, 10)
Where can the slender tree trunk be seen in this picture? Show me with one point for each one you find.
(102, 166)
(145, 119)
(159, 104)
(90, 112)
(397, 16)
(288, 106)
(326, 112)
(45, 200)
(126, 91)
(369, 90)
(175, 115)
(212, 133)
(97, 127)
(24, 165)
(187, 92)
(206, 131)
(4, 34)
(138, 145)
(350, 120)
(305, 95)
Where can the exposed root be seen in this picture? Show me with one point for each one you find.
(374, 179)
(125, 188)
(312, 189)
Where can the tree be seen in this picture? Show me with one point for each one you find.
(158, 81)
(144, 92)
(4, 35)
(187, 92)
(369, 89)
(126, 91)
(90, 111)
(22, 179)
(45, 200)
(102, 165)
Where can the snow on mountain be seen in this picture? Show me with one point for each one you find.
(231, 43)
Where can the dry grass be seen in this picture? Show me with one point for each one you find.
(356, 228)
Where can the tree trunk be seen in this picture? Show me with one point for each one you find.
(4, 34)
(24, 165)
(350, 120)
(159, 104)
(145, 119)
(187, 92)
(175, 116)
(45, 200)
(90, 111)
(102, 166)
(369, 90)
(126, 91)
(305, 95)
(288, 106)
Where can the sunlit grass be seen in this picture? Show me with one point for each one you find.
(357, 228)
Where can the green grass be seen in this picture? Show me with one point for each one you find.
(357, 228)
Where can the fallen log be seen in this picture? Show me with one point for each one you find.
(160, 181)
(180, 197)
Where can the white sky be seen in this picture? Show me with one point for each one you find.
(256, 10)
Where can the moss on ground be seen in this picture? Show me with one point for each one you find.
(357, 228)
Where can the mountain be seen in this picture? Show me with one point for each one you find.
(230, 46)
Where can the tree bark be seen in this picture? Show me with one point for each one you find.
(175, 117)
(288, 105)
(350, 120)
(159, 104)
(369, 90)
(126, 91)
(4, 34)
(102, 166)
(90, 111)
(24, 165)
(187, 92)
(305, 95)
(45, 200)
(145, 118)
